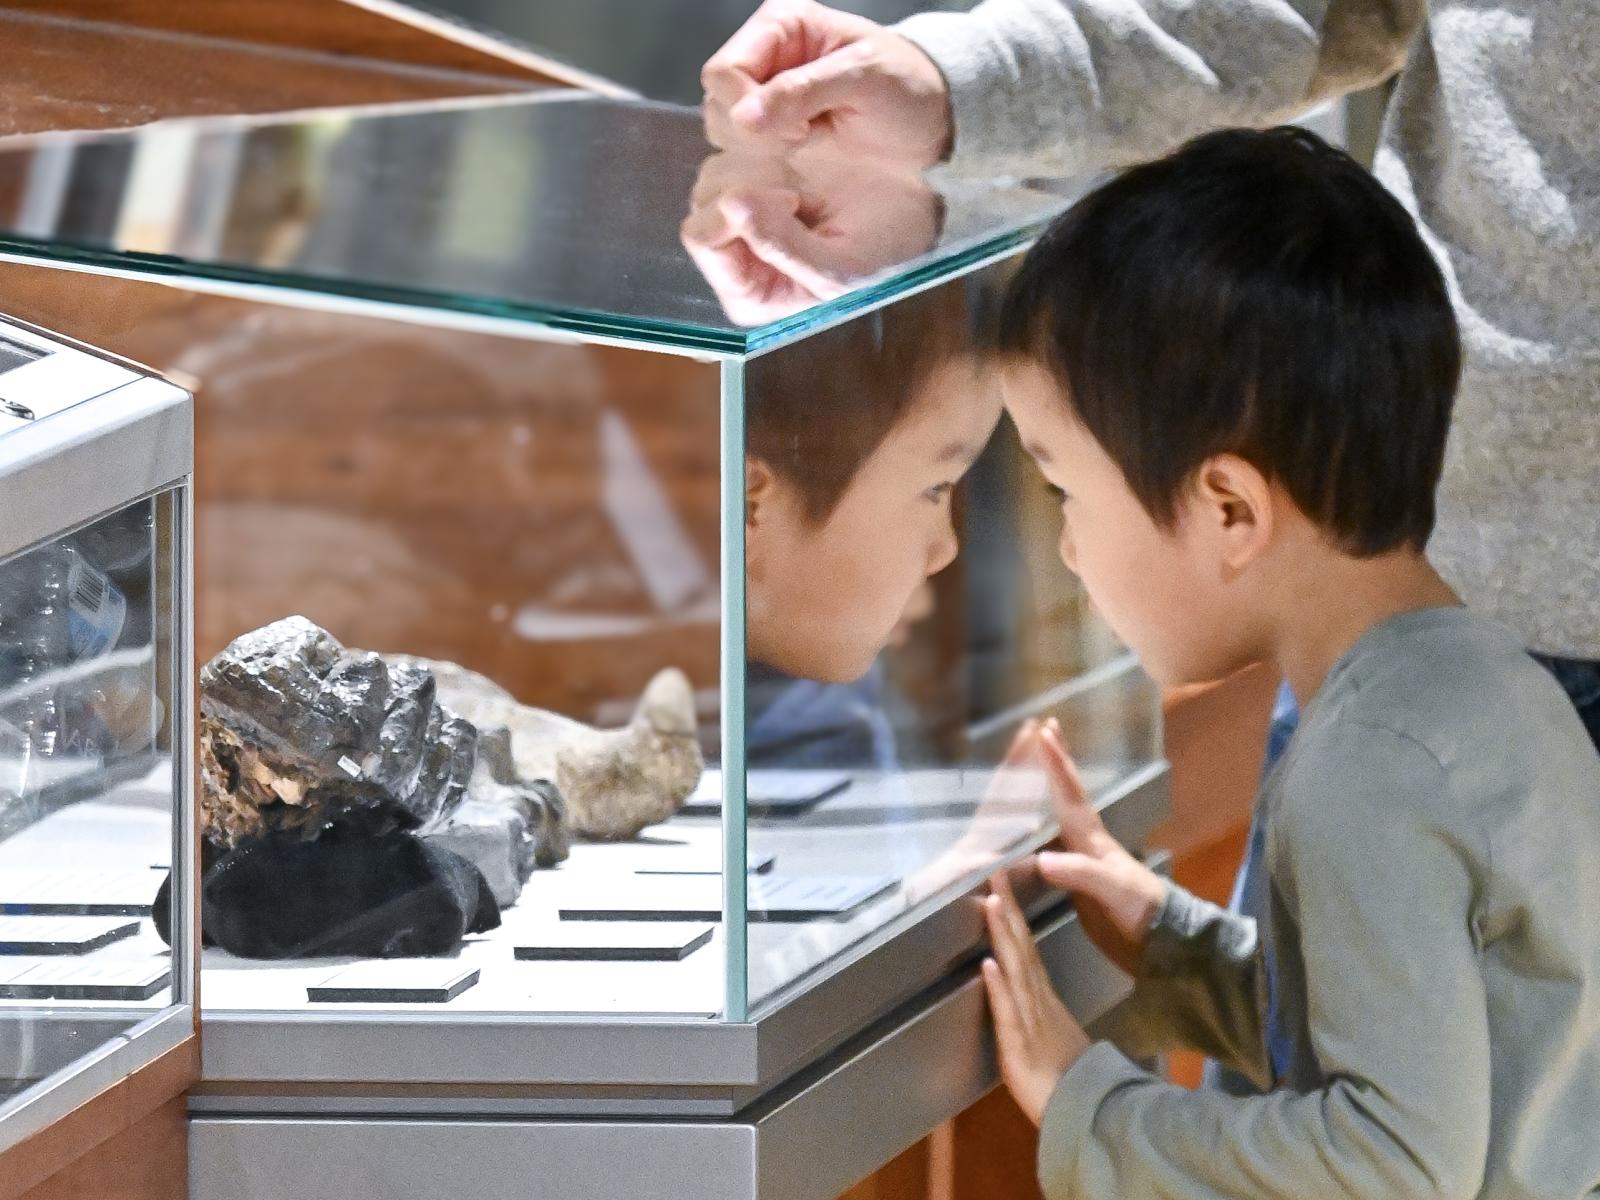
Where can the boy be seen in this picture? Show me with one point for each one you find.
(1237, 366)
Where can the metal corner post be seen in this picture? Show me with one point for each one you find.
(185, 920)
(735, 862)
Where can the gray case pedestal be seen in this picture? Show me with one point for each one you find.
(787, 1107)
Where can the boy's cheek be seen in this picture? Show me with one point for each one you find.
(1138, 603)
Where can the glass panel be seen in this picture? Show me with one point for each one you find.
(737, 866)
(908, 610)
(537, 523)
(89, 633)
(559, 209)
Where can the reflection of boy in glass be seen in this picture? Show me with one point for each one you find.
(855, 444)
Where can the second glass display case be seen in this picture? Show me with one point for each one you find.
(611, 641)
(96, 798)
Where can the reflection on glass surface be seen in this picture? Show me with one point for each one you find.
(776, 233)
(87, 786)
(907, 611)
(554, 208)
(652, 47)
(545, 516)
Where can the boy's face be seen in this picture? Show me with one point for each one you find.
(826, 597)
(1162, 591)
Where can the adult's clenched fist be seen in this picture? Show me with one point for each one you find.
(798, 71)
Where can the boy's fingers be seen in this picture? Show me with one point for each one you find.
(1000, 885)
(1007, 1023)
(1024, 968)
(1025, 978)
(1003, 942)
(1081, 826)
(1062, 767)
(1075, 872)
(1030, 977)
(1023, 745)
(1016, 923)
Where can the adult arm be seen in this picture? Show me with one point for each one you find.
(1064, 87)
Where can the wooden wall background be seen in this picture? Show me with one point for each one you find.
(421, 490)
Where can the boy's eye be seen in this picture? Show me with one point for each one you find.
(938, 492)
(1058, 494)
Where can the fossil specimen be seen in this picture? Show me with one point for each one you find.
(615, 782)
(509, 825)
(298, 733)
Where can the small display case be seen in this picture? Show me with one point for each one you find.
(96, 811)
(610, 646)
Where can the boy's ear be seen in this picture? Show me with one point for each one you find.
(759, 487)
(1235, 501)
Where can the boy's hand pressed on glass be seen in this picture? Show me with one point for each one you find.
(799, 71)
(1117, 896)
(1036, 1037)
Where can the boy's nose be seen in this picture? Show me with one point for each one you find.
(943, 551)
(1069, 552)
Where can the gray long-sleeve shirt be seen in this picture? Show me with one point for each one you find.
(1491, 140)
(1431, 942)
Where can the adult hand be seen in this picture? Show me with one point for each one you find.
(1116, 895)
(798, 71)
(1036, 1037)
(776, 233)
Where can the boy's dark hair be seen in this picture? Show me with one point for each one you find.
(817, 410)
(1255, 293)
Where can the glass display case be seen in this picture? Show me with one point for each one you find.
(613, 645)
(95, 712)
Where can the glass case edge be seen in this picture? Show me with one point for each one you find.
(383, 302)
(184, 906)
(872, 297)
(735, 881)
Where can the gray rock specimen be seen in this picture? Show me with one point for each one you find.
(509, 825)
(300, 735)
(615, 781)
(297, 732)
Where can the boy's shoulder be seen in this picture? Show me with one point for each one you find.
(1450, 702)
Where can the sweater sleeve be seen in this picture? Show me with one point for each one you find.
(1068, 87)
(1201, 986)
(1380, 878)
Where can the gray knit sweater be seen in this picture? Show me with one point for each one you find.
(1427, 942)
(1493, 141)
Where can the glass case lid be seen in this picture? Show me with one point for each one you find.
(593, 216)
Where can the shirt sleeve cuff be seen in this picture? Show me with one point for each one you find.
(1068, 1121)
(1180, 937)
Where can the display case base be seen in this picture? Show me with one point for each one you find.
(810, 1139)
